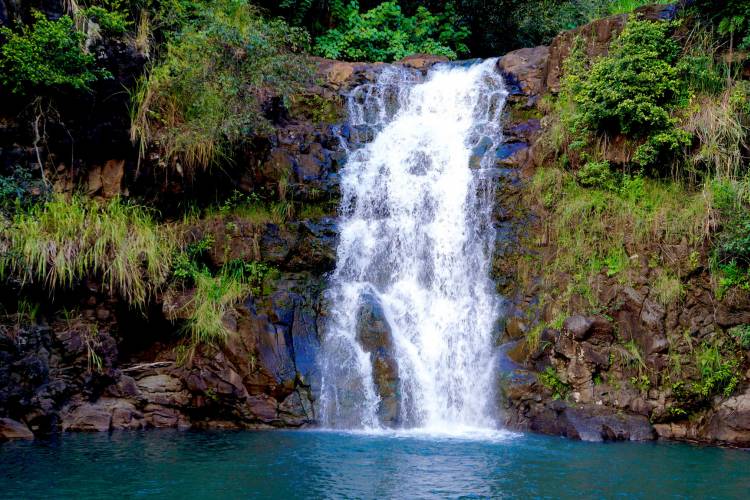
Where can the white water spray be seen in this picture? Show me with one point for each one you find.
(416, 237)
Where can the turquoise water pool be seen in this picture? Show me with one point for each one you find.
(316, 464)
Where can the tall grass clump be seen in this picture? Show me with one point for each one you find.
(596, 229)
(211, 295)
(721, 124)
(212, 299)
(62, 241)
(206, 89)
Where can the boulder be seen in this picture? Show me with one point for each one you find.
(126, 417)
(163, 389)
(592, 423)
(87, 417)
(526, 70)
(731, 422)
(107, 180)
(421, 62)
(595, 329)
(112, 174)
(161, 417)
(11, 429)
(734, 309)
(375, 337)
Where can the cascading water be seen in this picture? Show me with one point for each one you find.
(416, 240)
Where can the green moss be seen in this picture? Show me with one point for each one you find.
(315, 108)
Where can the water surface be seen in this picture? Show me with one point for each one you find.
(312, 464)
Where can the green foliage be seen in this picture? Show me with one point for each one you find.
(597, 174)
(317, 16)
(593, 226)
(215, 293)
(538, 22)
(641, 382)
(668, 288)
(634, 90)
(20, 189)
(732, 18)
(552, 381)
(110, 16)
(62, 241)
(741, 334)
(386, 34)
(718, 374)
(213, 296)
(315, 108)
(47, 54)
(27, 313)
(257, 275)
(612, 7)
(731, 253)
(631, 356)
(616, 261)
(251, 207)
(203, 94)
(732, 275)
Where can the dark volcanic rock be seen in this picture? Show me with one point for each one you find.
(10, 429)
(374, 334)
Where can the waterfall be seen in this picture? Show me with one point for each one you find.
(409, 335)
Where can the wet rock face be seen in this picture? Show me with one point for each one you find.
(525, 71)
(264, 376)
(375, 337)
(42, 367)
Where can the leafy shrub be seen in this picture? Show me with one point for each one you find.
(386, 34)
(551, 381)
(112, 20)
(633, 90)
(62, 241)
(317, 16)
(597, 174)
(732, 18)
(47, 54)
(20, 189)
(718, 374)
(731, 252)
(205, 93)
(742, 335)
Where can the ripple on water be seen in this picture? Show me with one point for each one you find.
(334, 464)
